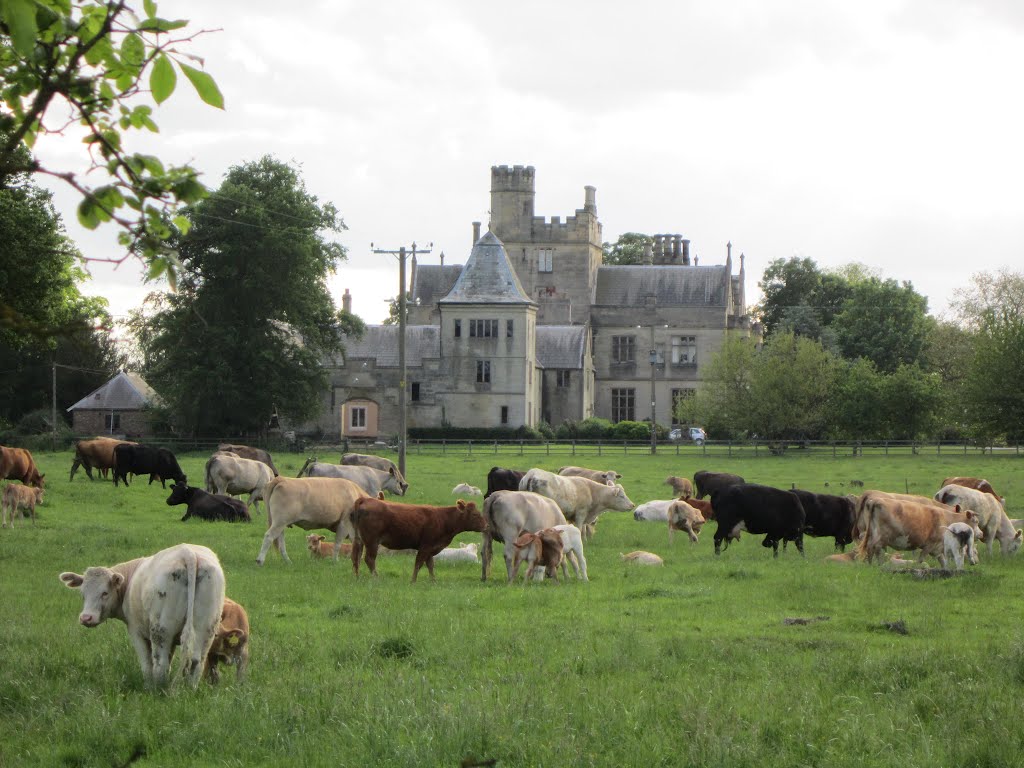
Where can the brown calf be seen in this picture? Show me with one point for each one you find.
(541, 548)
(703, 506)
(231, 643)
(976, 483)
(681, 486)
(17, 497)
(18, 464)
(319, 547)
(426, 529)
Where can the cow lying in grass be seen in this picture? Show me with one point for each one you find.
(208, 506)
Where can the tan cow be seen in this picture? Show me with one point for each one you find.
(309, 503)
(17, 497)
(992, 517)
(18, 464)
(602, 476)
(681, 486)
(640, 557)
(885, 521)
(683, 517)
(97, 453)
(230, 643)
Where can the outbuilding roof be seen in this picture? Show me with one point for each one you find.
(561, 346)
(380, 343)
(124, 392)
(672, 285)
(434, 281)
(488, 277)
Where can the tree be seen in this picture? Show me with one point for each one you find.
(724, 401)
(884, 321)
(95, 64)
(992, 308)
(857, 402)
(786, 283)
(394, 311)
(628, 249)
(252, 319)
(912, 401)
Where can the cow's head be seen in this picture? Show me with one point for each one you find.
(468, 517)
(39, 481)
(180, 494)
(101, 593)
(1015, 542)
(620, 501)
(39, 495)
(395, 483)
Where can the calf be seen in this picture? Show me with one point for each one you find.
(510, 513)
(17, 497)
(467, 489)
(540, 549)
(683, 517)
(465, 554)
(230, 643)
(605, 477)
(681, 486)
(642, 558)
(777, 514)
(706, 483)
(958, 540)
(208, 506)
(319, 547)
(426, 529)
(173, 597)
(572, 550)
(499, 479)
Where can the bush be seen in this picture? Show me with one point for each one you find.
(475, 433)
(546, 431)
(593, 429)
(632, 431)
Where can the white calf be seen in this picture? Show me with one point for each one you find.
(958, 540)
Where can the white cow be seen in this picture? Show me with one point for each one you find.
(653, 511)
(604, 477)
(175, 596)
(572, 550)
(580, 499)
(467, 489)
(465, 554)
(370, 479)
(992, 519)
(957, 540)
(511, 513)
(311, 503)
(227, 473)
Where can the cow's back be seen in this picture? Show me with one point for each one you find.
(762, 509)
(707, 483)
(317, 500)
(509, 513)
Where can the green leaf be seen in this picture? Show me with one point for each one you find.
(162, 79)
(150, 7)
(156, 268)
(183, 224)
(162, 25)
(20, 18)
(87, 214)
(133, 51)
(204, 85)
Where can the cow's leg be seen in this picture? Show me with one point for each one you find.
(141, 645)
(3, 516)
(718, 543)
(161, 648)
(370, 556)
(581, 560)
(487, 547)
(775, 547)
(509, 558)
(273, 534)
(74, 466)
(799, 541)
(357, 550)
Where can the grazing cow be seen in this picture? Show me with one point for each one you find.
(641, 558)
(580, 499)
(885, 521)
(683, 517)
(500, 479)
(320, 548)
(159, 463)
(681, 486)
(706, 483)
(208, 506)
(777, 514)
(605, 477)
(540, 549)
(230, 643)
(467, 553)
(310, 503)
(253, 454)
(230, 475)
(97, 454)
(17, 497)
(369, 460)
(828, 515)
(958, 540)
(510, 513)
(976, 483)
(18, 464)
(992, 518)
(371, 480)
(426, 529)
(467, 489)
(174, 596)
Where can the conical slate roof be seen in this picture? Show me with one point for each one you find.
(487, 278)
(124, 392)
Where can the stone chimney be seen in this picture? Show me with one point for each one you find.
(476, 233)
(346, 302)
(590, 199)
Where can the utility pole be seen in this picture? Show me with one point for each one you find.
(402, 385)
(654, 365)
(53, 411)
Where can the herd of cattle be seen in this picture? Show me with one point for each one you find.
(176, 596)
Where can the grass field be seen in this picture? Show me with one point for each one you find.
(689, 664)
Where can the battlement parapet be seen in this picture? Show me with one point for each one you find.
(516, 178)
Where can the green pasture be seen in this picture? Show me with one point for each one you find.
(689, 664)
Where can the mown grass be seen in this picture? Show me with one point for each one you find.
(686, 664)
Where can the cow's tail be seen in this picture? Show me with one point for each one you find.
(862, 526)
(268, 491)
(209, 480)
(188, 632)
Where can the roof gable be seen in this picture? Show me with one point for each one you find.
(124, 392)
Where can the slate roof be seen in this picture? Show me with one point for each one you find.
(674, 285)
(488, 277)
(561, 346)
(124, 392)
(434, 281)
(380, 343)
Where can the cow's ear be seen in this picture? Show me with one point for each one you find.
(71, 580)
(617, 475)
(1019, 534)
(460, 504)
(391, 471)
(380, 495)
(116, 580)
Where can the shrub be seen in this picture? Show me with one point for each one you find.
(631, 430)
(593, 429)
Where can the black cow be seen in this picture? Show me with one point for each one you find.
(776, 513)
(208, 506)
(499, 479)
(706, 483)
(158, 463)
(828, 515)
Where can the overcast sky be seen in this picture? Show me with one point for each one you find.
(882, 132)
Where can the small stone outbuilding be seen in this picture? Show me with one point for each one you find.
(119, 408)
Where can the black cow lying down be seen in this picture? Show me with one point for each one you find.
(208, 506)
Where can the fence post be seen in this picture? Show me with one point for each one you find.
(547, 448)
(757, 452)
(495, 447)
(598, 447)
(470, 443)
(730, 448)
(521, 449)
(625, 449)
(443, 447)
(886, 447)
(574, 452)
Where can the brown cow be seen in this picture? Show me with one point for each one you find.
(18, 464)
(19, 497)
(97, 453)
(231, 643)
(885, 521)
(426, 529)
(703, 506)
(320, 548)
(543, 548)
(976, 483)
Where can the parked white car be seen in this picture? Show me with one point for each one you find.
(694, 435)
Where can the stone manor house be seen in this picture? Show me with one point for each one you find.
(534, 327)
